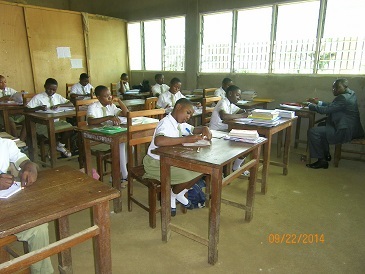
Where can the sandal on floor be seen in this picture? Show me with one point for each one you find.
(173, 212)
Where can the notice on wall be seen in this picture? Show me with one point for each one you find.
(63, 52)
(76, 63)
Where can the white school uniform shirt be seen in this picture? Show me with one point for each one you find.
(220, 92)
(158, 89)
(41, 99)
(10, 153)
(96, 110)
(216, 122)
(165, 99)
(80, 89)
(126, 86)
(168, 127)
(7, 92)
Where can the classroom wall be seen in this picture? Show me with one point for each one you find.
(34, 39)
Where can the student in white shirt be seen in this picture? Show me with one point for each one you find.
(123, 84)
(52, 100)
(222, 90)
(169, 98)
(9, 94)
(83, 87)
(104, 112)
(37, 237)
(159, 87)
(226, 110)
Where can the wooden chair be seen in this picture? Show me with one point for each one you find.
(208, 108)
(6, 251)
(102, 152)
(138, 135)
(208, 92)
(113, 89)
(360, 145)
(68, 90)
(150, 103)
(27, 97)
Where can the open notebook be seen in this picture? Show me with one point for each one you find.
(6, 193)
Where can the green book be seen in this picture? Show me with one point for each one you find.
(109, 129)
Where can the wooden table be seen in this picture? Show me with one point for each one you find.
(8, 109)
(257, 102)
(134, 104)
(140, 95)
(210, 160)
(31, 119)
(268, 132)
(58, 193)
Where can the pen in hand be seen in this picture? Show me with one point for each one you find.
(188, 131)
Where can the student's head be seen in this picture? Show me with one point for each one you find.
(84, 79)
(339, 86)
(175, 85)
(50, 86)
(124, 77)
(226, 83)
(104, 95)
(183, 110)
(2, 82)
(233, 94)
(159, 78)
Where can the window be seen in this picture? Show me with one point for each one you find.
(216, 42)
(162, 46)
(252, 48)
(135, 46)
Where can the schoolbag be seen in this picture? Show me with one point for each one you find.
(196, 194)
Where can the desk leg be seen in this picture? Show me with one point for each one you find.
(32, 139)
(165, 199)
(252, 185)
(287, 149)
(297, 132)
(52, 142)
(279, 144)
(117, 202)
(312, 121)
(87, 156)
(102, 251)
(266, 164)
(64, 257)
(214, 215)
(6, 121)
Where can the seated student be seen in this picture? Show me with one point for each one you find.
(227, 110)
(170, 97)
(159, 87)
(37, 237)
(104, 112)
(82, 88)
(52, 100)
(222, 90)
(9, 94)
(173, 130)
(123, 84)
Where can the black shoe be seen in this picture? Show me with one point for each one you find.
(318, 164)
(327, 156)
(173, 212)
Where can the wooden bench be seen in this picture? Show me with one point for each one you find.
(360, 151)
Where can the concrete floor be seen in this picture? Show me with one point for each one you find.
(327, 204)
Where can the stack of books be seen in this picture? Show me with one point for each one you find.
(248, 95)
(248, 136)
(265, 117)
(286, 113)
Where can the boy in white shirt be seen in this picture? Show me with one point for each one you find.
(169, 98)
(222, 90)
(227, 110)
(123, 84)
(52, 100)
(173, 130)
(105, 112)
(159, 87)
(82, 88)
(37, 237)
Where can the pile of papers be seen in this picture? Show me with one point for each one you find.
(247, 136)
(291, 105)
(248, 95)
(286, 113)
(138, 120)
(264, 114)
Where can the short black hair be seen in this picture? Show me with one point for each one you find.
(174, 81)
(232, 88)
(84, 76)
(123, 75)
(51, 81)
(342, 81)
(99, 90)
(183, 102)
(226, 81)
(158, 75)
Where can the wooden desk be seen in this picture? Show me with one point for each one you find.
(134, 104)
(256, 103)
(141, 95)
(210, 160)
(268, 132)
(194, 98)
(8, 109)
(32, 118)
(58, 193)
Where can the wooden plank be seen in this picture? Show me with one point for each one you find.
(190, 235)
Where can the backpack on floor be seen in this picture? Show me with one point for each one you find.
(196, 194)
